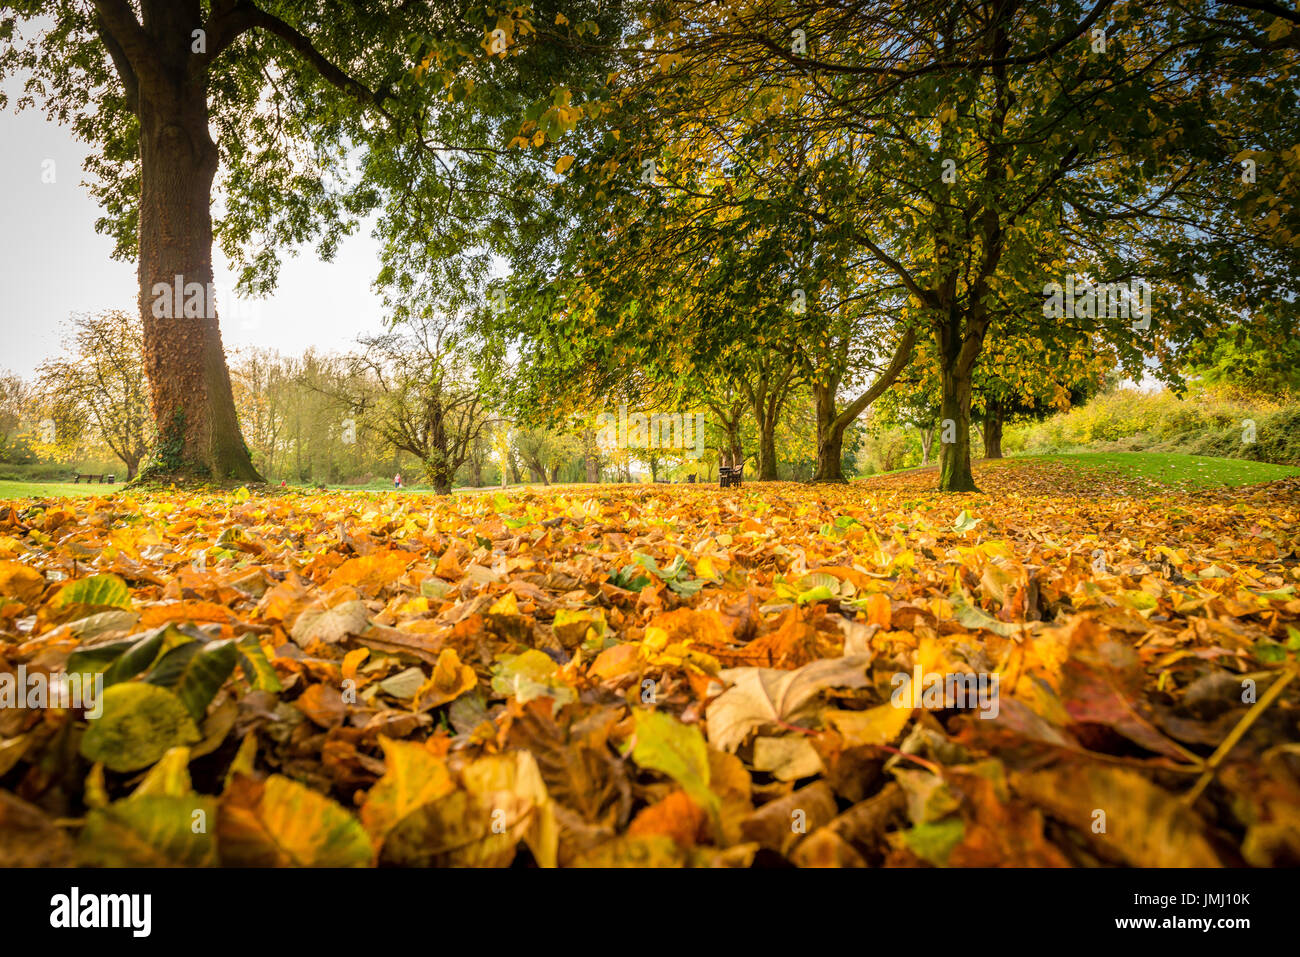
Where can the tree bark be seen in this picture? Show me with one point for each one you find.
(830, 436)
(730, 417)
(927, 440)
(831, 424)
(190, 394)
(954, 456)
(767, 451)
(993, 430)
(767, 396)
(440, 476)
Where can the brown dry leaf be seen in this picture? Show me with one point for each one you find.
(450, 679)
(21, 583)
(1122, 814)
(787, 758)
(29, 838)
(413, 776)
(760, 697)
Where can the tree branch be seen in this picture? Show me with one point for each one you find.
(227, 22)
(116, 19)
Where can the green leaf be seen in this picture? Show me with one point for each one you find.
(292, 826)
(98, 657)
(820, 593)
(140, 723)
(100, 591)
(972, 616)
(195, 672)
(965, 522)
(678, 750)
(530, 675)
(170, 777)
(934, 842)
(122, 660)
(1270, 652)
(104, 621)
(687, 587)
(151, 831)
(257, 670)
(630, 577)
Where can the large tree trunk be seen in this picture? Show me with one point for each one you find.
(767, 401)
(439, 475)
(954, 432)
(993, 431)
(730, 417)
(830, 436)
(190, 393)
(767, 453)
(766, 441)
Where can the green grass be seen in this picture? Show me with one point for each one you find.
(1174, 468)
(52, 489)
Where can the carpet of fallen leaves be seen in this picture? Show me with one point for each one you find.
(658, 675)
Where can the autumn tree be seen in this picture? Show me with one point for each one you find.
(100, 381)
(956, 162)
(421, 390)
(261, 104)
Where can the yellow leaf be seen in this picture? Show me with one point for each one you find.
(875, 726)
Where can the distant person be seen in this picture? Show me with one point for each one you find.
(397, 480)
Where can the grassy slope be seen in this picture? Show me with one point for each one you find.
(55, 489)
(1177, 470)
(1172, 469)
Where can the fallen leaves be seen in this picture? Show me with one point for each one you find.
(656, 677)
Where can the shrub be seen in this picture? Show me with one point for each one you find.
(1204, 422)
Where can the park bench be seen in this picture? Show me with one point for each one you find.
(729, 475)
(103, 478)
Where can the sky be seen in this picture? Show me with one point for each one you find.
(54, 264)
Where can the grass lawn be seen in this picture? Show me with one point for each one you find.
(1176, 469)
(53, 489)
